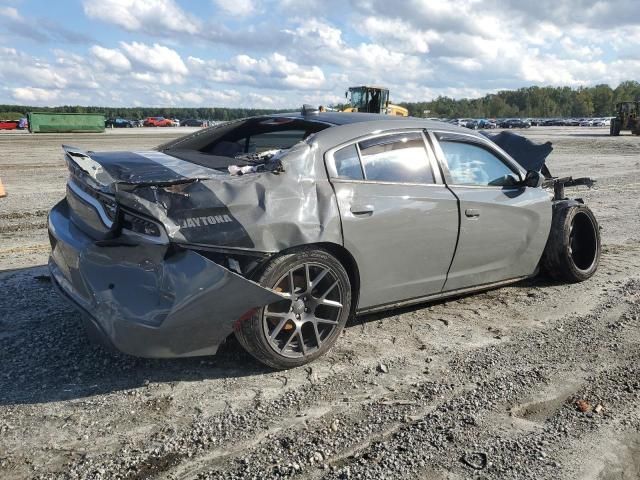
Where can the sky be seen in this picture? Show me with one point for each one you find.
(284, 53)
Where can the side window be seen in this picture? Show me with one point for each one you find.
(396, 158)
(471, 164)
(347, 163)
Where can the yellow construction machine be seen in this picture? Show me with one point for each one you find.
(627, 118)
(371, 99)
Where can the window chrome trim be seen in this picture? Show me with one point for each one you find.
(359, 153)
(497, 187)
(333, 174)
(381, 182)
(435, 167)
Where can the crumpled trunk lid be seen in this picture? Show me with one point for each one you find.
(96, 177)
(107, 169)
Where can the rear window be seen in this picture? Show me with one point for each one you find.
(220, 146)
(262, 142)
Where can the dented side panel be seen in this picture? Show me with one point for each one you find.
(265, 212)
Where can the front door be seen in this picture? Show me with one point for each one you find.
(503, 226)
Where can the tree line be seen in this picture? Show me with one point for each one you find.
(598, 101)
(546, 102)
(10, 112)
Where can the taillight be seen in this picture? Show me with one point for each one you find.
(140, 225)
(110, 208)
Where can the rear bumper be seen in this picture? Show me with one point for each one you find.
(144, 300)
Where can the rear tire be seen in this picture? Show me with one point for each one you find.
(295, 332)
(614, 128)
(573, 248)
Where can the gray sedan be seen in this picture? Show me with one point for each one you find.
(279, 228)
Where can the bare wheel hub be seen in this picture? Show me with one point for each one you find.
(298, 306)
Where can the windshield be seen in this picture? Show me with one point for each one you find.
(358, 98)
(369, 99)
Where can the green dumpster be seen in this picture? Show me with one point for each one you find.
(44, 122)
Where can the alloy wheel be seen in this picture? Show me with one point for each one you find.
(298, 325)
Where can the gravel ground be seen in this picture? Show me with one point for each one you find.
(536, 380)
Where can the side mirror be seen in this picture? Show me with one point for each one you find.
(533, 179)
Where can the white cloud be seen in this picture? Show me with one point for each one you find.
(237, 8)
(35, 95)
(16, 65)
(395, 32)
(370, 62)
(111, 58)
(557, 71)
(466, 64)
(10, 12)
(156, 58)
(150, 16)
(274, 71)
(279, 54)
(579, 50)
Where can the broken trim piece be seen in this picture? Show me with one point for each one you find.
(559, 183)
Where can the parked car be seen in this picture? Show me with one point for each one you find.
(176, 122)
(158, 122)
(514, 123)
(192, 122)
(600, 122)
(485, 123)
(471, 123)
(279, 228)
(23, 123)
(8, 124)
(119, 123)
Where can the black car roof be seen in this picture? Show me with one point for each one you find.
(372, 120)
(341, 118)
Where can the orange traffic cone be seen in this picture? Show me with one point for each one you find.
(3, 192)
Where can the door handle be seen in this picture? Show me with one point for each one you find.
(472, 212)
(362, 209)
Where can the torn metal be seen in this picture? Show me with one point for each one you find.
(132, 243)
(532, 156)
(149, 300)
(558, 185)
(201, 206)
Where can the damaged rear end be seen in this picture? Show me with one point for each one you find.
(121, 251)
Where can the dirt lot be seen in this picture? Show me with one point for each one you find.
(483, 386)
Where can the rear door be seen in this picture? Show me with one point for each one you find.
(399, 220)
(503, 226)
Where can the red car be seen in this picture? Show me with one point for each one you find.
(8, 124)
(157, 122)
